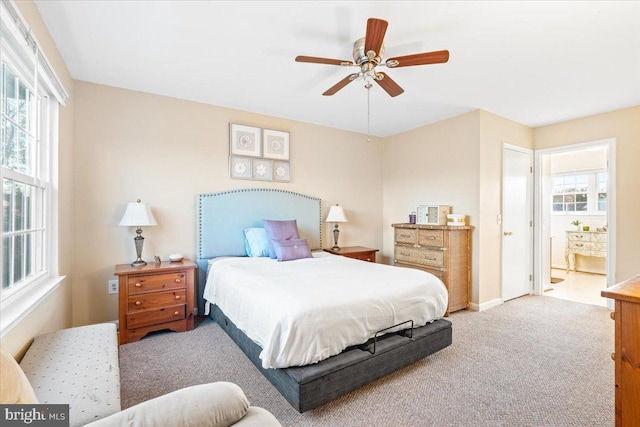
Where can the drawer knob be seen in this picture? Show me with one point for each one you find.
(138, 303)
(176, 313)
(177, 296)
(612, 315)
(613, 356)
(177, 280)
(138, 285)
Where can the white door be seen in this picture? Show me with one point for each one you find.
(517, 226)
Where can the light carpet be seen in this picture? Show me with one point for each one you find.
(533, 361)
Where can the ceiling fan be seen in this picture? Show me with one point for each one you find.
(368, 54)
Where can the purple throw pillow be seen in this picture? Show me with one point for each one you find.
(279, 230)
(292, 249)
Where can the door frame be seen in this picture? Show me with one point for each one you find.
(532, 186)
(538, 268)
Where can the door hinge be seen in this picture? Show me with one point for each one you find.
(530, 277)
(531, 169)
(530, 223)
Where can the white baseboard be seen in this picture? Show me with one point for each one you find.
(485, 305)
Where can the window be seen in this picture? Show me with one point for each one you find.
(585, 192)
(30, 93)
(24, 180)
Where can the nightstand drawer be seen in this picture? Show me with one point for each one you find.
(423, 256)
(364, 256)
(431, 238)
(405, 235)
(156, 282)
(155, 300)
(155, 316)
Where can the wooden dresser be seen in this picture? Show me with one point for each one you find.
(627, 350)
(356, 252)
(153, 297)
(442, 250)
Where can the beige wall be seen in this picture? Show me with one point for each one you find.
(165, 151)
(55, 312)
(624, 126)
(457, 162)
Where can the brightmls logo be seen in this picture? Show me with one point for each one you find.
(35, 415)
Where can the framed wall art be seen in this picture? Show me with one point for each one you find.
(262, 169)
(240, 167)
(281, 171)
(245, 141)
(275, 144)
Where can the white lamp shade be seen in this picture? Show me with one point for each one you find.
(336, 214)
(138, 214)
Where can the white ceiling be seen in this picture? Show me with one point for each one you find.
(534, 62)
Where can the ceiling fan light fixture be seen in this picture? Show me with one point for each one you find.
(392, 63)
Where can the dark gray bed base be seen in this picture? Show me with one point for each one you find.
(307, 387)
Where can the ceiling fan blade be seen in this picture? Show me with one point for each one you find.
(315, 60)
(391, 87)
(342, 83)
(437, 57)
(376, 28)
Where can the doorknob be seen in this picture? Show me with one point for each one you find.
(508, 233)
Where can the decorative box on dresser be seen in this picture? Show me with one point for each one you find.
(627, 350)
(153, 297)
(442, 250)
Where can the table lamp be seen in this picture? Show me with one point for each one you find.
(139, 215)
(336, 215)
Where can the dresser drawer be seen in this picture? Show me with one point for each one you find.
(155, 300)
(431, 238)
(582, 246)
(155, 316)
(422, 256)
(578, 237)
(405, 235)
(156, 282)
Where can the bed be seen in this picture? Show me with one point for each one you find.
(325, 365)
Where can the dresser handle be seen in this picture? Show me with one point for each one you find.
(612, 315)
(177, 296)
(177, 280)
(431, 237)
(430, 259)
(176, 313)
(613, 356)
(405, 236)
(138, 285)
(404, 254)
(138, 303)
(580, 245)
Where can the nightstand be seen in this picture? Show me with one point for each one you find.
(155, 296)
(356, 252)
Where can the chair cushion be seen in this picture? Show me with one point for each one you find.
(78, 367)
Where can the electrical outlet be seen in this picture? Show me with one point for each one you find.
(113, 286)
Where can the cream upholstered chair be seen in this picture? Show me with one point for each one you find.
(218, 404)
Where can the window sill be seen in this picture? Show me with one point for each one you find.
(18, 306)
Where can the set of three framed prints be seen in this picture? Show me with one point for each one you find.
(258, 154)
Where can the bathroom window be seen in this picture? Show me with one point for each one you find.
(584, 192)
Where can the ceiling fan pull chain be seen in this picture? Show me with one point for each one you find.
(368, 86)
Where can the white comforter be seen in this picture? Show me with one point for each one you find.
(301, 312)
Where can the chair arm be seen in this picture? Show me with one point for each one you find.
(218, 404)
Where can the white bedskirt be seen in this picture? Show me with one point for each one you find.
(301, 312)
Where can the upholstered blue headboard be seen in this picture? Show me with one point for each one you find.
(223, 216)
